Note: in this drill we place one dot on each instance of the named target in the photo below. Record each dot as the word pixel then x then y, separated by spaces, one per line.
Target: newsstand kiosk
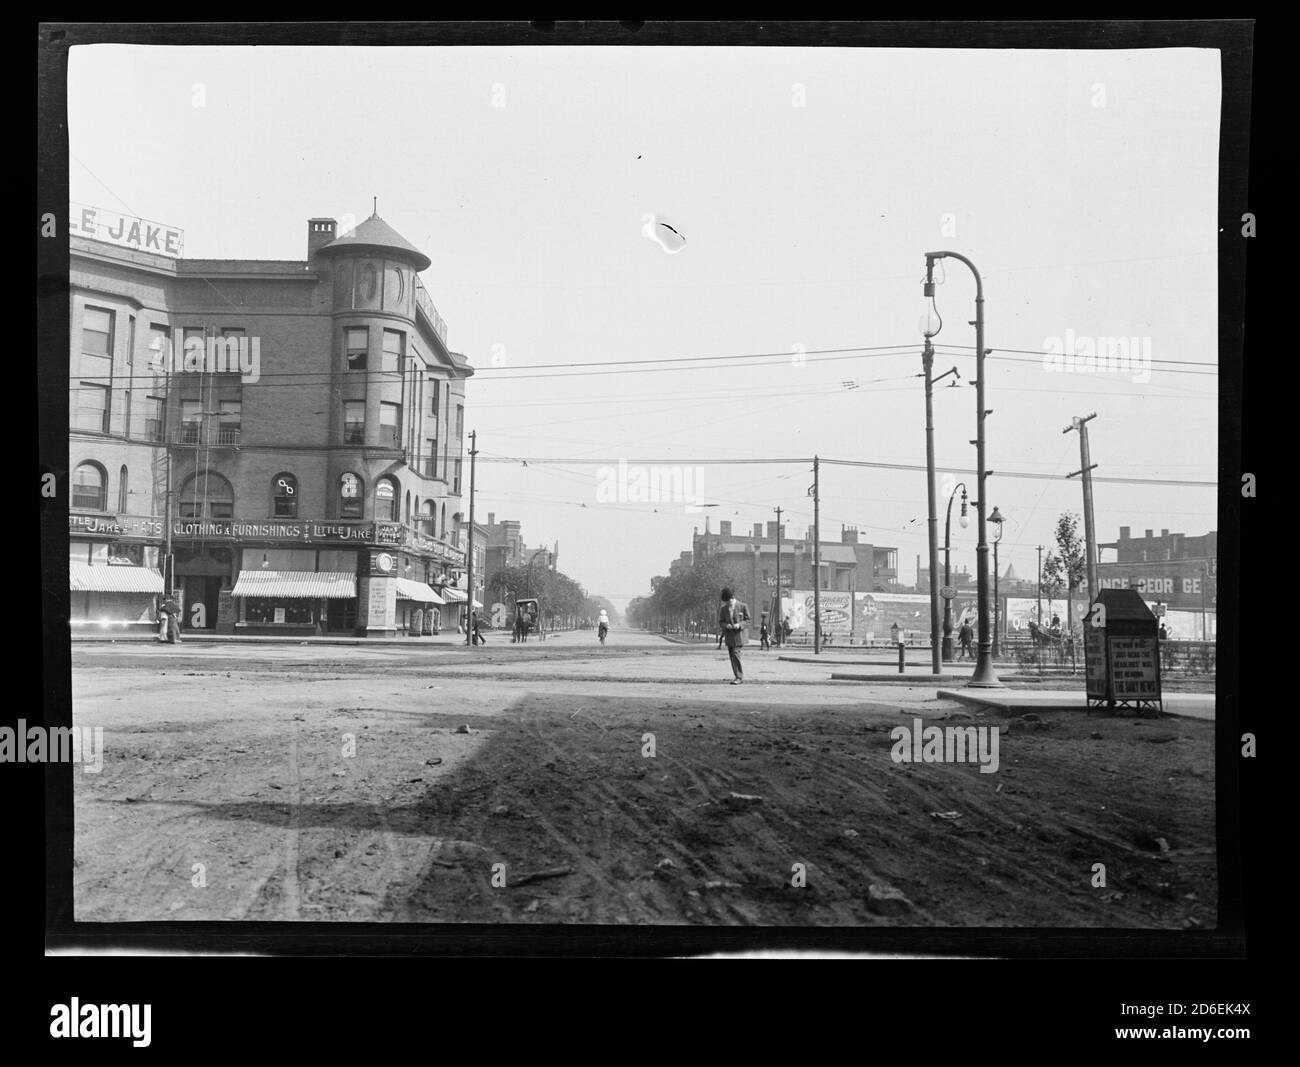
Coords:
pixel 1121 647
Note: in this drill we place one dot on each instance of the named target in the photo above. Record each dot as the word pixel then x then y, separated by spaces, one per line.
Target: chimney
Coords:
pixel 320 232
pixel 758 530
pixel 1124 532
pixel 849 535
pixel 492 518
pixel 771 529
pixel 724 528
pixel 1149 534
pixel 1164 533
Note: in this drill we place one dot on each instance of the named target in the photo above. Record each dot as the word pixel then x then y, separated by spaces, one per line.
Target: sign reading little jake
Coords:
pixel 101 224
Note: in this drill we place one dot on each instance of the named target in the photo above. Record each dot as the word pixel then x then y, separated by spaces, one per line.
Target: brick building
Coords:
pixel 296 425
pixel 848 565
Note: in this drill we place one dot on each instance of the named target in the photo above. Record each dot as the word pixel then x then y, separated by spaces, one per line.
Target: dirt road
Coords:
pixel 339 784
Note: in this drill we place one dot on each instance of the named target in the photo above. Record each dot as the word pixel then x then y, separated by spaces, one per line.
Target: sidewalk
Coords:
pixel 271 639
pixel 1019 701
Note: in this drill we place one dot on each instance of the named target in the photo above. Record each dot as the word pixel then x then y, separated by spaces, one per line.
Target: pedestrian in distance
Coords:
pixel 733 618
pixel 763 636
pixel 965 635
pixel 478 637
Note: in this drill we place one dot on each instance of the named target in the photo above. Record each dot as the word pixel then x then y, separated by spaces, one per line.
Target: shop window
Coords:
pixel 263 610
pixel 350 496
pixel 284 494
pixel 90 487
pixel 358 341
pixel 206 495
pixel 385 500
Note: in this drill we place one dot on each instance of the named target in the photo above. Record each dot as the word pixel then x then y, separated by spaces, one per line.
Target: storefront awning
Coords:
pixel 114 578
pixel 457 596
pixel 417 591
pixel 330 585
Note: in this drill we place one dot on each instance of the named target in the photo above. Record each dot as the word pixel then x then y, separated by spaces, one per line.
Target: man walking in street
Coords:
pixel 733 617
pixel 763 636
pixel 965 635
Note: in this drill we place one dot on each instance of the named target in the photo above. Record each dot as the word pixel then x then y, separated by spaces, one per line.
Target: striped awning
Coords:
pixel 417 591
pixel 114 578
pixel 457 596
pixel 330 585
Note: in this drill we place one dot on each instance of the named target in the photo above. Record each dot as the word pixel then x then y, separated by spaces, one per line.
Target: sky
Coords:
pixel 808 185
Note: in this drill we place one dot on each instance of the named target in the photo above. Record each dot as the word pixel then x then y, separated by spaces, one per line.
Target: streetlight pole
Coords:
pixel 984 676
pixel 997 602
pixel 780 632
pixel 817 560
pixel 929 327
pixel 947 568
pixel 469 555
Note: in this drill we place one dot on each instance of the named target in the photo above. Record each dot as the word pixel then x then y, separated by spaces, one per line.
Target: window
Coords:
pixel 431 457
pixel 406 513
pixel 89 487
pixel 350 496
pixel 455 484
pixel 284 497
pixel 385 500
pixel 191 421
pixel 444 522
pixel 92 407
pixel 122 490
pixel 358 341
pixel 261 610
pixel 460 421
pixel 130 376
pixel 428 520
pixel 160 345
pixel 390 424
pixel 433 405
pixel 206 495
pixel 153 418
pixel 394 346
pixel 354 422
pixel 228 422
pixel 96 331
pixel 193 348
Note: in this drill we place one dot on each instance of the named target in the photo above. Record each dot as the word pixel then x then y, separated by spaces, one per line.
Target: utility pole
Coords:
pixel 927 362
pixel 469 555
pixel 1040 586
pixel 780 632
pixel 169 561
pixel 1087 466
pixel 817 559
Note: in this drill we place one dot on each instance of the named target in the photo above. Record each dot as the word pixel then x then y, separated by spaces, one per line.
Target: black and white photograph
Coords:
pixel 668 486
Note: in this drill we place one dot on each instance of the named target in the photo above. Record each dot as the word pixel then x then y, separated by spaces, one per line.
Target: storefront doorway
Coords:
pixel 201 594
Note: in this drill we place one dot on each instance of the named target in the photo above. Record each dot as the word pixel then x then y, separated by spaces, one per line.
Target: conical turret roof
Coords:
pixel 375 235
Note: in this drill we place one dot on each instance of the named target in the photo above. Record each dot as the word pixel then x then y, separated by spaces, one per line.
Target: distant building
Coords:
pixel 848 565
pixel 1173 569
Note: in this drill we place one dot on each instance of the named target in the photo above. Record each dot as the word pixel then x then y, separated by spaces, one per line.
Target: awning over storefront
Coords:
pixel 114 578
pixel 417 591
pixel 457 596
pixel 330 585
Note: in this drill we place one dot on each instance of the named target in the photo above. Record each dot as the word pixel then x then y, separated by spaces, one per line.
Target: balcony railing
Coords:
pixel 425 303
pixel 227 435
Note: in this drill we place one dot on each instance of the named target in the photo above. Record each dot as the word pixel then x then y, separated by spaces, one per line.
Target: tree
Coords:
pixel 1067 565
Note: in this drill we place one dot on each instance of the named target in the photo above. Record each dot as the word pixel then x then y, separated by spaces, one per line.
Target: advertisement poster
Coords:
pixel 1133 668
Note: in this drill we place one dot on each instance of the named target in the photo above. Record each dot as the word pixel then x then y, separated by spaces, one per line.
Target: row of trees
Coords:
pixel 565 602
pixel 684 598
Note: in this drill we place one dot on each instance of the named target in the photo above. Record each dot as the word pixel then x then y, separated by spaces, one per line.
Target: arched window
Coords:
pixel 122 490
pixel 444 521
pixel 351 495
pixel 406 515
pixel 205 495
pixel 284 496
pixel 428 520
pixel 90 487
pixel 385 500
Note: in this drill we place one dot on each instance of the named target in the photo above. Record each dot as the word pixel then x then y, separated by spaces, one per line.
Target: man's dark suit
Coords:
pixel 731 621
